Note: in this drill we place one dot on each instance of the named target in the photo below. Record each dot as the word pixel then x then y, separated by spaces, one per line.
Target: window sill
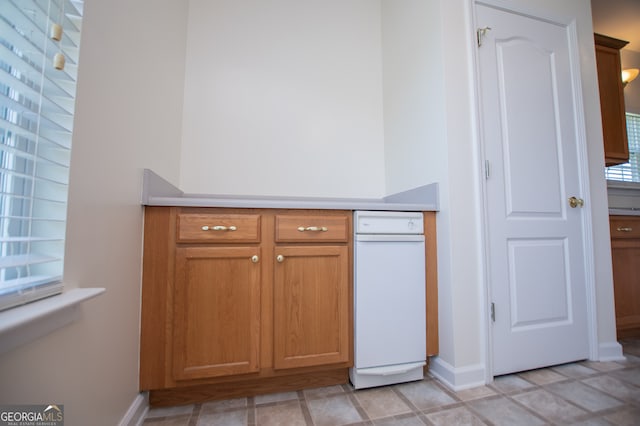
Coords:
pixel 26 323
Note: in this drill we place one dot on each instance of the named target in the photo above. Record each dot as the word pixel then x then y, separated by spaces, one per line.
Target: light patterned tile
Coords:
pixel 542 377
pixel 333 411
pixel 286 413
pixel 475 393
pixel 224 418
pixel 574 371
pixel 595 421
pixel 223 405
pixel 169 411
pixel 511 384
pixel 615 387
pixel 382 402
pixel 405 420
pixel 584 396
pixel 549 406
pixel 181 420
pixel 425 394
pixel 504 412
pixel 625 417
pixel 629 375
pixel 459 416
pixel 323 391
pixel 600 387
pixel 276 397
pixel 603 366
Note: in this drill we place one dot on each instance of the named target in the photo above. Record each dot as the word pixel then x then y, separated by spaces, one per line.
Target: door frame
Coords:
pixel 583 170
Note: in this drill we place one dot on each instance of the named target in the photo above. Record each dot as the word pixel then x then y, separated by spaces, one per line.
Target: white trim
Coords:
pixel 610 351
pixel 137 411
pixel 485 289
pixel 29 322
pixel 457 378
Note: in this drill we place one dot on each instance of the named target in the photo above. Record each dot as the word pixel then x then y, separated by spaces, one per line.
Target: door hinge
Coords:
pixel 480 33
pixel 487 169
pixel 493 312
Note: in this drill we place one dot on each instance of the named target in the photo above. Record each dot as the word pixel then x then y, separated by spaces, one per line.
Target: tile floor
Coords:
pixel 583 393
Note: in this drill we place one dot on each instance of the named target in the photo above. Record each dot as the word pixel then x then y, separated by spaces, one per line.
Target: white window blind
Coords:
pixel 629 172
pixel 37 97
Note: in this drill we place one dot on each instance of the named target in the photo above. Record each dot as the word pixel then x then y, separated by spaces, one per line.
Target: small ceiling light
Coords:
pixel 629 75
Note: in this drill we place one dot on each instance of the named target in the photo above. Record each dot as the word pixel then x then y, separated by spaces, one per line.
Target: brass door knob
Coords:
pixel 575 202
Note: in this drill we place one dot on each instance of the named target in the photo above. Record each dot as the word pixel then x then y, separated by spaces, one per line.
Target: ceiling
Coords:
pixel 619 19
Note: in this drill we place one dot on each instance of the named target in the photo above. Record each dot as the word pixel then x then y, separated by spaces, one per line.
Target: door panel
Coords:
pixel 538 295
pixel 536 249
pixel 526 72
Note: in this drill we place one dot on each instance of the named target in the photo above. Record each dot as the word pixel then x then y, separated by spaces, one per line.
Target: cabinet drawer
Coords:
pixel 303 228
pixel 625 226
pixel 224 228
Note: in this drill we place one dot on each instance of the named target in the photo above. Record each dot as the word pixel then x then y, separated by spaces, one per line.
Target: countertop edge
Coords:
pixel 286 204
pixel 159 192
pixel 624 212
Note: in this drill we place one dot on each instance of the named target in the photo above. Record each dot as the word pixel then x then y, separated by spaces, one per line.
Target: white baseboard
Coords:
pixel 610 351
pixel 137 411
pixel 457 379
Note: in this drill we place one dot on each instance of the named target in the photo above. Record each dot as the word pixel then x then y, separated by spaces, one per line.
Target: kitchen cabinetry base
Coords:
pixel 628 333
pixel 239 389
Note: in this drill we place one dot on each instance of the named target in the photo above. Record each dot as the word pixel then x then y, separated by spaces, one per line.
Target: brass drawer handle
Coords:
pixel 624 229
pixel 219 228
pixel 313 228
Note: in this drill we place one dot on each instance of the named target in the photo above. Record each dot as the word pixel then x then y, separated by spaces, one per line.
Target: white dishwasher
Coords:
pixel 389 298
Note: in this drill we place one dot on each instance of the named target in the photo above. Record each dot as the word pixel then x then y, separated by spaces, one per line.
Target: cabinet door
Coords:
pixel 614 125
pixel 312 306
pixel 625 255
pixel 216 324
pixel 626 283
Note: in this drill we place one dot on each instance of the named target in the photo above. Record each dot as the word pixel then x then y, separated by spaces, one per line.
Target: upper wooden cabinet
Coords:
pixel 614 127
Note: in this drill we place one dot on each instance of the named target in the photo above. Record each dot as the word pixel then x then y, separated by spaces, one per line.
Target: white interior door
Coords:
pixel 536 247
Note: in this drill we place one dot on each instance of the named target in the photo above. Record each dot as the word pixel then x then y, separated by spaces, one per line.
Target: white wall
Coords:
pixel 413 76
pixel 127 118
pixel 631 59
pixel 283 98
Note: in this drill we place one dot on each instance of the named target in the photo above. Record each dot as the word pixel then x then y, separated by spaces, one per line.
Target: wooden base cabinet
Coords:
pixel 625 254
pixel 244 301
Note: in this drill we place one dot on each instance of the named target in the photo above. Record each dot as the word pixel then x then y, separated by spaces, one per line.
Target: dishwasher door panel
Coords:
pixel 390 323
